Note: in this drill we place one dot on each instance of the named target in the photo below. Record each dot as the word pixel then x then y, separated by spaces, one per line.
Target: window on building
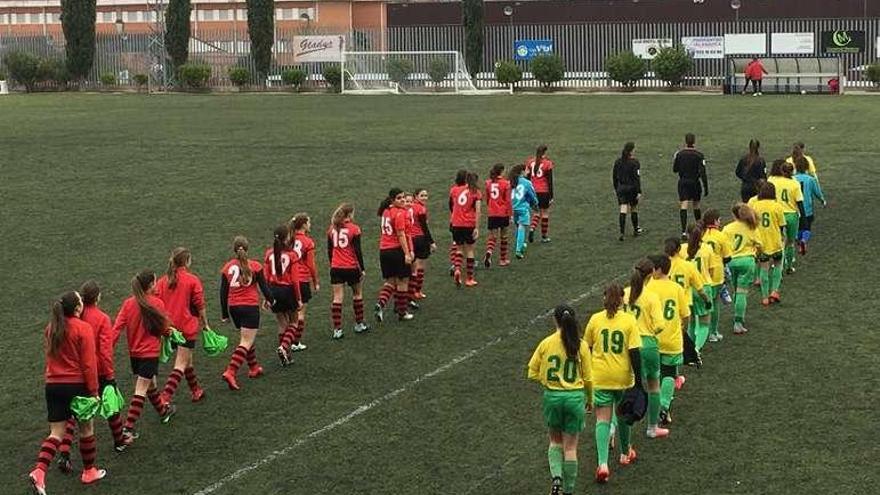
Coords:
pixel 224 15
pixel 4 18
pixel 108 17
pixel 242 14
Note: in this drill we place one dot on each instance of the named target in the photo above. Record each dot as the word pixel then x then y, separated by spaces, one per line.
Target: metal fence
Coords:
pixel 583 47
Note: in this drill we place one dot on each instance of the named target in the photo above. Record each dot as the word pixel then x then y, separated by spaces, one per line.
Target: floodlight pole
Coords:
pixel 156 48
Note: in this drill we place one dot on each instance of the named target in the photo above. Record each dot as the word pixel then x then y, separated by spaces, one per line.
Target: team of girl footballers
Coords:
pixel 80 337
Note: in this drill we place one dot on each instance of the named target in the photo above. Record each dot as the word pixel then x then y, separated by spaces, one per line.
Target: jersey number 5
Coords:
pixel 387 228
pixel 494 191
pixel 340 238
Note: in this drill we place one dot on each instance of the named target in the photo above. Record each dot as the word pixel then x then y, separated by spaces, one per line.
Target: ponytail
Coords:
pixel 495 172
pixel 539 154
pixel 514 174
pixel 643 269
pixel 695 238
pixel 613 299
pixel 340 215
pixel 298 221
pixel 279 242
pixel 671 246
pixel 568 327
pixel 240 247
pixel 472 179
pixel 180 257
pixel 90 292
pixel 387 202
pixel 153 319
pixel 746 215
pixel 62 308
pixel 754 154
pixel 710 217
pixel 627 150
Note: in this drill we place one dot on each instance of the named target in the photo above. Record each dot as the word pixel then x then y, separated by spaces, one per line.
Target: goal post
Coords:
pixel 397 72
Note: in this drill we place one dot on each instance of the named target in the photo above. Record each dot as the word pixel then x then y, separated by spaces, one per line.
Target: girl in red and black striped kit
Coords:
pixel 71 371
pixel 464 208
pixel 454 255
pixel 499 206
pixel 239 298
pixel 284 285
pixel 346 267
pixel 395 256
pixel 423 244
pixel 306 270
pixel 539 169
pixel 184 299
pixel 105 342
pixel 145 320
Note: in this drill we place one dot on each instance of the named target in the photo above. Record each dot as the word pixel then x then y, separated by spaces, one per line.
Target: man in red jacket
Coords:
pixel 755 73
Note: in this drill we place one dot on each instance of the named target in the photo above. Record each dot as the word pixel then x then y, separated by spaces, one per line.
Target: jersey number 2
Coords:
pixel 569 369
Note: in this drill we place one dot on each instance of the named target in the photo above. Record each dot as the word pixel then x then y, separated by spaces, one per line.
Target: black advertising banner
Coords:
pixel 843 41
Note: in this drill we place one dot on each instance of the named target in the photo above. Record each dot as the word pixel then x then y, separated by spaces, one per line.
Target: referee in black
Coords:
pixel 628 187
pixel 690 165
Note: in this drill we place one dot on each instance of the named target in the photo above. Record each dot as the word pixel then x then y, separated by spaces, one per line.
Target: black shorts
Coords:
pixel 305 292
pixel 145 367
pixel 627 196
pixel 689 190
pixel 245 316
pixel 348 276
pixel 498 223
pixel 463 235
pixel 764 258
pixel 393 263
pixel 421 247
pixel 285 298
pixel 58 397
pixel 189 344
pixel 544 200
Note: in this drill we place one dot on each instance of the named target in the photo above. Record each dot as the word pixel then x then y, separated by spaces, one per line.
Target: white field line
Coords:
pixel 363 408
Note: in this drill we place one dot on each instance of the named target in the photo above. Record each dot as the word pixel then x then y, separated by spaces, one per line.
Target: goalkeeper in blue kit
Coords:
pixel 523 199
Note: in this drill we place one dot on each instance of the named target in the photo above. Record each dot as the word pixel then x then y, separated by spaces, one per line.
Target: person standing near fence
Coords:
pixel 626 179
pixel 755 73
pixel 690 165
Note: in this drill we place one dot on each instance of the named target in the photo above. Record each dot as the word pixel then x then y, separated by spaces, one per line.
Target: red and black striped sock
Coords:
pixel 252 357
pixel 470 268
pixel 172 383
pixel 336 314
pixel 88 449
pixel 287 337
pixel 503 250
pixel 47 452
pixel 159 403
pixel 401 300
pixel 411 288
pixel 534 224
pixel 115 423
pixel 358 310
pixel 545 226
pixel 238 357
pixel 385 294
pixel 453 252
pixel 458 259
pixel 191 378
pixel 420 280
pixel 134 411
pixel 67 439
pixel 490 245
pixel 299 330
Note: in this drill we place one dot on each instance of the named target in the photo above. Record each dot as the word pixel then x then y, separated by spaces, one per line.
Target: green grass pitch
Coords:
pixel 101 186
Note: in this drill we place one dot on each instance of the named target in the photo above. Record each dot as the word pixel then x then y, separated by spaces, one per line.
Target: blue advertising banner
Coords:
pixel 529 49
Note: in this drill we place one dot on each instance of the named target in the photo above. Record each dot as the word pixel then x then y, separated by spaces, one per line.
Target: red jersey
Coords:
pixel 305 266
pixel 75 361
pixel 141 343
pixel 464 206
pixel 239 293
pixel 342 252
pixel 105 339
pixel 417 211
pixel 393 222
pixel 288 275
pixel 183 302
pixel 498 194
pixel 755 70
pixel 537 173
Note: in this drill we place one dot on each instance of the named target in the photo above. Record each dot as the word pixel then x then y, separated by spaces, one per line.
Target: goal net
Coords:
pixel 405 72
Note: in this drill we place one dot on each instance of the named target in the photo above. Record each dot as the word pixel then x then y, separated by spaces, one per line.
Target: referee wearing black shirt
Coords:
pixel 690 165
pixel 628 186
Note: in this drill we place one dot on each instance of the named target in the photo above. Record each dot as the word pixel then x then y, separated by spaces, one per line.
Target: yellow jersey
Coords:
pixel 720 245
pixel 646 311
pixel 674 308
pixel 811 165
pixel 551 366
pixel 609 340
pixel 771 220
pixel 743 240
pixel 686 275
pixel 705 261
pixel 788 192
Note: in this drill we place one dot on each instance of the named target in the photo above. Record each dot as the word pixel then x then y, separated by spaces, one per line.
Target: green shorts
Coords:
pixel 671 359
pixel 603 398
pixel 792 223
pixel 564 410
pixel 650 353
pixel 699 308
pixel 742 271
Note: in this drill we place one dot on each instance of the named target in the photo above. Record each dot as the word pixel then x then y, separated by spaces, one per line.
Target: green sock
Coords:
pixel 789 257
pixel 716 316
pixel 765 283
pixel 603 432
pixel 667 392
pixel 569 475
pixel 739 306
pixel 554 457
pixel 692 328
pixel 623 431
pixel 701 329
pixel 654 408
pixel 775 278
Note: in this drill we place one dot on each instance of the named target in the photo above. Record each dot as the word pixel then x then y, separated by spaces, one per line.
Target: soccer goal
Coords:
pixel 422 72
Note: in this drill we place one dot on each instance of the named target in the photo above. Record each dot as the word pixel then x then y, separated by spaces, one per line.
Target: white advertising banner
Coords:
pixel 647 48
pixel 745 44
pixel 318 48
pixel 704 46
pixel 795 43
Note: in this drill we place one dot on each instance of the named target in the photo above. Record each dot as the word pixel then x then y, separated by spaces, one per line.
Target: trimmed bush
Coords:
pixel 399 70
pixel 438 70
pixel 547 69
pixel 671 64
pixel 333 75
pixel 52 70
pixel 507 72
pixel 194 75
pixel 23 69
pixel 294 78
pixel 872 73
pixel 239 76
pixel 108 79
pixel 625 68
pixel 141 80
